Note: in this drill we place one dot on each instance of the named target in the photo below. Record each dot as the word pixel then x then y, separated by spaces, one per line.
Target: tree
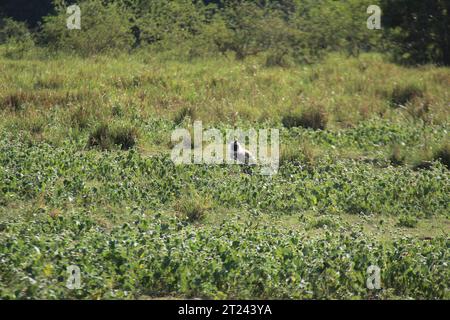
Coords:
pixel 104 27
pixel 418 30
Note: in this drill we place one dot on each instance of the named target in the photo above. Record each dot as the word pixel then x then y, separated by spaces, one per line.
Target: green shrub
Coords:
pixel 163 21
pixel 253 28
pixel 330 25
pixel 17 38
pixel 417 30
pixel 180 30
pixel 279 58
pixel 407 221
pixel 125 137
pixel 245 23
pixel 104 28
pixel 11 30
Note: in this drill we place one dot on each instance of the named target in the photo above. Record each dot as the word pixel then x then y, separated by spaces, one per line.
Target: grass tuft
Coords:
pixel 183 113
pixel 192 207
pixel 312 118
pixel 402 94
pixel 14 101
pixel 443 154
pixel 397 156
pixel 291 153
pixel 108 137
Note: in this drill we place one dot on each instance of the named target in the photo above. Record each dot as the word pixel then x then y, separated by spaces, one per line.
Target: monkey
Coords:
pixel 242 156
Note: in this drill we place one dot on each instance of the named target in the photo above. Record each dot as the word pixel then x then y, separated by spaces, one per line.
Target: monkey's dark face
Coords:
pixel 235 150
pixel 235 146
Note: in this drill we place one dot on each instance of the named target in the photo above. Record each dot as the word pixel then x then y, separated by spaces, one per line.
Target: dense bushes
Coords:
pixel 104 28
pixel 285 31
pixel 16 36
pixel 301 32
pixel 291 31
pixel 418 30
pixel 12 30
pixel 162 20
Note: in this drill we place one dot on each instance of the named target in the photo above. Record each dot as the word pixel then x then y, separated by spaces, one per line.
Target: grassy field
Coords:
pixel 86 179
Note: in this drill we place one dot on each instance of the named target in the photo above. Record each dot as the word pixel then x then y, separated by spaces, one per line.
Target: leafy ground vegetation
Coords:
pixel 86 177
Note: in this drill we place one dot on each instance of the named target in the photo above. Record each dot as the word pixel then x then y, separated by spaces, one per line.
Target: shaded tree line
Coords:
pixel 286 31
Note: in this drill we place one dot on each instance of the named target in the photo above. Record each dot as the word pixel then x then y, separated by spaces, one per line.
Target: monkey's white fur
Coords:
pixel 240 154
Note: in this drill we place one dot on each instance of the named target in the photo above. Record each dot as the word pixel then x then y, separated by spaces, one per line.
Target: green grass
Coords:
pixel 86 179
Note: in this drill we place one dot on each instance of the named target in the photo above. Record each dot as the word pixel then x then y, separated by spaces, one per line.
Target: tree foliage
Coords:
pixel 418 30
pixel 284 30
pixel 104 27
